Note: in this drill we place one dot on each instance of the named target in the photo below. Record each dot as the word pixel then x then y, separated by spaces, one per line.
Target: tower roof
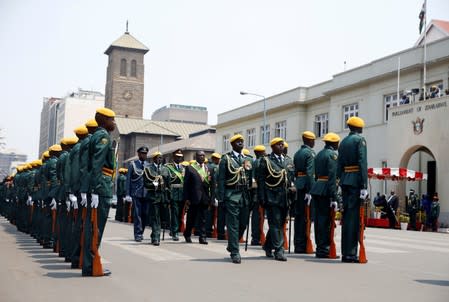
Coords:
pixel 127 41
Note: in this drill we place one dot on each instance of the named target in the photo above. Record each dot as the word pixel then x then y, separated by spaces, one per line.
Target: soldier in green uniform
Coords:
pixel 174 178
pixel 156 194
pixel 212 212
pixel 121 193
pixel 51 199
pixel 233 187
pixel 304 180
pixel 102 166
pixel 324 193
pixel 257 212
pixel 352 171
pixel 275 182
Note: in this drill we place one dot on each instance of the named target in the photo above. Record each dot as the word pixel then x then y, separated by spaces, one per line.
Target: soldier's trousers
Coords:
pixel 255 221
pixel 155 220
pixel 102 216
pixel 275 237
pixel 351 221
pixel 141 207
pixel 236 220
pixel 221 220
pixel 322 224
pixel 119 209
pixel 300 238
pixel 176 209
pixel 196 213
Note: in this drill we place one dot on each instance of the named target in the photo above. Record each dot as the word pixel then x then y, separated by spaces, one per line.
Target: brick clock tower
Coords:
pixel 125 76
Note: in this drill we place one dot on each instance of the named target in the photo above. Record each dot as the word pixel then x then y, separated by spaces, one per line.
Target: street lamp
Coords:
pixel 264 112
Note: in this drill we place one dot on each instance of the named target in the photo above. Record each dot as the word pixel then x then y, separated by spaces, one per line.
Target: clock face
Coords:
pixel 127 95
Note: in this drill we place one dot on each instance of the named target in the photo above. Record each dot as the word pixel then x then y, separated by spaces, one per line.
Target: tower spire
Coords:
pixel 126 32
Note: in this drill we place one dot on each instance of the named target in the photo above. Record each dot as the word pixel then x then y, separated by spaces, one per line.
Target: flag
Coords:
pixel 422 16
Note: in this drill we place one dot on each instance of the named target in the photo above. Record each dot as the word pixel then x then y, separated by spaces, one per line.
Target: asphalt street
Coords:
pixel 402 266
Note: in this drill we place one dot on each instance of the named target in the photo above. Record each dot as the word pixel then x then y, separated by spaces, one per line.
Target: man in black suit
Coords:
pixel 393 203
pixel 197 194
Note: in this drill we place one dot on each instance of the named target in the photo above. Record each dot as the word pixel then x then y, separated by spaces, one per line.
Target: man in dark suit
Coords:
pixel 135 192
pixel 393 203
pixel 197 184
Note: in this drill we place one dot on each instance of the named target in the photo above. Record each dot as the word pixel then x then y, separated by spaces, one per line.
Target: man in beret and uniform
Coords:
pixel 212 212
pixel 324 193
pixel 275 182
pixel 257 213
pixel 51 202
pixel 304 180
pixel 135 192
pixel 102 166
pixel 352 171
pixel 120 214
pixel 234 183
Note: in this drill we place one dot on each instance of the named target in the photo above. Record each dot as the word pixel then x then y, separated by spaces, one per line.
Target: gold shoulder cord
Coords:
pixel 277 175
pixel 153 178
pixel 237 174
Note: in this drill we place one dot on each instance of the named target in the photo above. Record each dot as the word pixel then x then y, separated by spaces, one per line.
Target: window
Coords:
pixel 321 124
pixel 123 67
pixel 280 129
pixel 251 137
pixel 265 135
pixel 133 68
pixel 349 111
pixel 225 146
pixel 390 101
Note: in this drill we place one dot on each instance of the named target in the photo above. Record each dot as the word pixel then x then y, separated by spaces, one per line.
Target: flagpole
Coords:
pixel 399 76
pixel 425 49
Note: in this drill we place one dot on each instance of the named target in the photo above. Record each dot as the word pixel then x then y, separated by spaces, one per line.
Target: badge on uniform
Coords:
pixel 104 141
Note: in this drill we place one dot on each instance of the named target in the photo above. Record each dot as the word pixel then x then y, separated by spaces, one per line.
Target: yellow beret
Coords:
pixel 55 148
pixel 122 170
pixel 308 134
pixel 34 163
pixel 157 153
pixel 236 137
pixel 29 166
pixel 19 168
pixel 71 140
pixel 355 121
pixel 46 154
pixel 81 130
pixel 276 140
pixel 216 155
pixel 259 148
pixel 285 144
pixel 38 162
pixel 91 123
pixel 185 163
pixel 106 112
pixel 245 151
pixel 331 137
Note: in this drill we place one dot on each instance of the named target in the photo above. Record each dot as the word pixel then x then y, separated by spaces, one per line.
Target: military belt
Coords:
pixel 323 178
pixel 107 171
pixel 176 186
pixel 300 173
pixel 351 169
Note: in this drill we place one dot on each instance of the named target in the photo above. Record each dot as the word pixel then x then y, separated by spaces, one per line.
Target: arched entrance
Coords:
pixel 419 158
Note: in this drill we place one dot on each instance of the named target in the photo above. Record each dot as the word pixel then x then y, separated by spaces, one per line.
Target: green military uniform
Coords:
pixel 121 193
pixel 233 187
pixel 173 174
pixel 53 186
pixel 101 163
pixel 352 171
pixel 62 221
pixel 275 177
pixel 255 212
pixel 304 180
pixel 212 211
pixel 324 191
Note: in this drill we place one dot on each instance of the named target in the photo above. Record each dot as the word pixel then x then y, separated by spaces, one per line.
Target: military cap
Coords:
pixel 81 130
pixel 106 112
pixel 38 162
pixel 71 140
pixel 216 155
pixel 331 137
pixel 236 137
pixel 46 154
pixel 276 140
pixel 308 134
pixel 245 151
pixel 185 163
pixel 91 123
pixel 34 163
pixel 123 170
pixel 55 148
pixel 29 166
pixel 19 168
pixel 355 121
pixel 142 149
pixel 178 152
pixel 157 153
pixel 285 144
pixel 259 148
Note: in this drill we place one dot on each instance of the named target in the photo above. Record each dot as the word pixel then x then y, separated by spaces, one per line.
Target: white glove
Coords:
pixel 215 202
pixel 31 203
pixel 308 198
pixel 95 201
pixel 7 199
pixel 75 204
pixel 83 199
pixel 53 204
pixel 334 205
pixel 72 198
pixel 29 199
pixel 67 203
pixel 128 198
pixel 363 193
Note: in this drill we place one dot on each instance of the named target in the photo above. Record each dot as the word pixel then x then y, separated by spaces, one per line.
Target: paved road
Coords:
pixel 403 266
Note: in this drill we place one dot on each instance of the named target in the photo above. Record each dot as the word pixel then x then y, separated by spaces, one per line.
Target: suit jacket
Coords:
pixel 197 189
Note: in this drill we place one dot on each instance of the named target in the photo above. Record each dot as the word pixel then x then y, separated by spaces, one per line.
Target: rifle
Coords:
pixel 309 246
pixel 261 223
pixel 362 255
pixel 215 218
pixel 97 268
pixel 251 205
pixel 332 249
pixel 83 218
pixel 130 206
pixel 292 196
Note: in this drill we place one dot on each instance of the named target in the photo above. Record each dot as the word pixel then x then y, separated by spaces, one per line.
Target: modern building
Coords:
pixel 60 116
pixel 181 114
pixel 412 133
pixel 8 160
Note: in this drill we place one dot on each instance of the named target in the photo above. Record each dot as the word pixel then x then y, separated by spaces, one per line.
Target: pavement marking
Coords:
pixel 406 245
pixel 428 241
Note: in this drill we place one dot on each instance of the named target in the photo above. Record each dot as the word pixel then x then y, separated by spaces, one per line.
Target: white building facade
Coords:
pixel 412 135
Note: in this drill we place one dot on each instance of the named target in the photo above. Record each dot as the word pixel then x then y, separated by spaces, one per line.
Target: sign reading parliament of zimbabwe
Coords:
pixel 420 108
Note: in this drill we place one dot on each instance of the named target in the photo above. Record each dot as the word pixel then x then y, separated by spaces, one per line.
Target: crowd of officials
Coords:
pixel 63 199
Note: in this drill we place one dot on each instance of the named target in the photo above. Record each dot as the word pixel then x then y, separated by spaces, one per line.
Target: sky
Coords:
pixel 202 52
